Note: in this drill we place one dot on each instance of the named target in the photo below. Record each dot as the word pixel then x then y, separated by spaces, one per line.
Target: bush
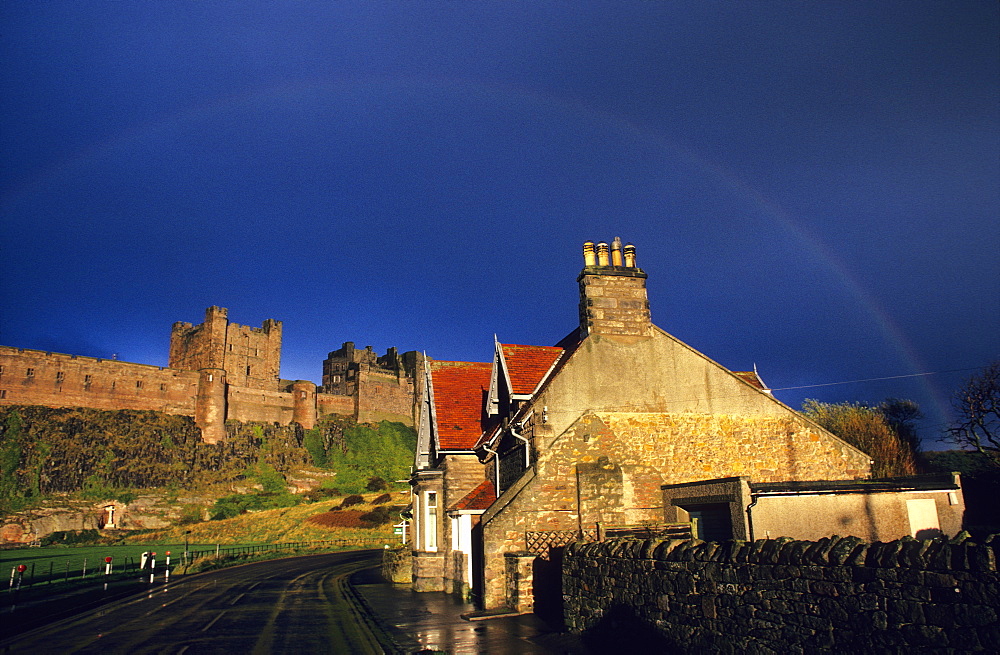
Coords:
pixel 352 500
pixel 233 505
pixel 384 498
pixel 190 514
pixel 378 516
pixel 375 483
pixel 71 538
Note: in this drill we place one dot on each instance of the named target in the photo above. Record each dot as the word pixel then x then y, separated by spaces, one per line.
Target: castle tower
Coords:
pixel 210 408
pixel 304 403
pixel 612 291
pixel 250 357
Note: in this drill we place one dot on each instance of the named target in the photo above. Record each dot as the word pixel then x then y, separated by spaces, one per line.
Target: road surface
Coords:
pixel 299 604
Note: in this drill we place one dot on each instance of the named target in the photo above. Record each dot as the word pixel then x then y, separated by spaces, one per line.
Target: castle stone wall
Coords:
pixel 384 396
pixel 836 595
pixel 34 377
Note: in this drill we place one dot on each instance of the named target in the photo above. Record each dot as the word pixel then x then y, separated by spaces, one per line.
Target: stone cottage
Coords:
pixel 583 435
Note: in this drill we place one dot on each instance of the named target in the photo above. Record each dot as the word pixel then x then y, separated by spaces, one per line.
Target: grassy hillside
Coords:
pixel 318 521
pixel 102 455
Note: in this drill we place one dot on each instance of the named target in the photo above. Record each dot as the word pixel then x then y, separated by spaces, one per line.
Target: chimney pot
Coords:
pixel 602 254
pixel 589 258
pixel 630 255
pixel 616 252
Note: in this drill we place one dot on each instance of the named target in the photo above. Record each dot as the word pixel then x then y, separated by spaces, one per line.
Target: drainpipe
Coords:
pixel 527 449
pixel 496 467
pixel 750 516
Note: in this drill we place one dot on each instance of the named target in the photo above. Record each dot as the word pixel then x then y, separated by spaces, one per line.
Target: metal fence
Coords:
pixel 50 573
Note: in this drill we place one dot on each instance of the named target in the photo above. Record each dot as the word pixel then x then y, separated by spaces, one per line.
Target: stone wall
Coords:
pixel 384 396
pixel 837 594
pixel 34 377
pixel 608 468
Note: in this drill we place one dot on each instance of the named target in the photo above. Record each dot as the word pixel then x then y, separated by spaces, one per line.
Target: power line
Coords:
pixel 890 377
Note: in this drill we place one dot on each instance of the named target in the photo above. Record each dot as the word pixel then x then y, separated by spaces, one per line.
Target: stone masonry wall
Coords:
pixel 610 467
pixel 384 396
pixel 33 377
pixel 836 594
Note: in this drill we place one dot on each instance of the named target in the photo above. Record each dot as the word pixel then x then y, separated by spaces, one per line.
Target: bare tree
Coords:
pixel 978 407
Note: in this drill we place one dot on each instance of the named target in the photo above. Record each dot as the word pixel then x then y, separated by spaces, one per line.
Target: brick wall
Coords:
pixel 841 595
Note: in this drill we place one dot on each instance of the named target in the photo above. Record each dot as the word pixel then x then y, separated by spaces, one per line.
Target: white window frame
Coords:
pixel 430 521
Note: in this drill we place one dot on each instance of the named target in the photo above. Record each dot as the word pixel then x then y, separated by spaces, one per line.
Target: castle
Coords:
pixel 218 371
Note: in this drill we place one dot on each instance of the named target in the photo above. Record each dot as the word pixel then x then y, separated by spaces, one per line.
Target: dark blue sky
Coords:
pixel 813 188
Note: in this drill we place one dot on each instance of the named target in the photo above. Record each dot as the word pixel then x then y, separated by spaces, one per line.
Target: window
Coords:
pixel 248 370
pixel 87 380
pixel 3 393
pixel 60 376
pixel 138 384
pixel 30 373
pixel 163 387
pixel 1 369
pixel 430 509
pixel 230 347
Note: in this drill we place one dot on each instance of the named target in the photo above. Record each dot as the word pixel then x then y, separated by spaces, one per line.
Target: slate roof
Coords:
pixel 459 388
pixel 527 365
pixel 479 498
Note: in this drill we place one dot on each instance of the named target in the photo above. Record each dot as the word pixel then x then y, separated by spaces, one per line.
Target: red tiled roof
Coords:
pixel 752 378
pixel 458 402
pixel 479 498
pixel 527 365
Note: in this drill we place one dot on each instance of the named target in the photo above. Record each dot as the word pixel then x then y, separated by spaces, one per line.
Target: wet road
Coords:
pixel 299 604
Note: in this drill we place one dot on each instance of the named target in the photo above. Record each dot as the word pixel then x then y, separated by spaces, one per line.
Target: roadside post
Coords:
pixel 152 567
pixel 166 575
pixel 21 568
pixel 107 570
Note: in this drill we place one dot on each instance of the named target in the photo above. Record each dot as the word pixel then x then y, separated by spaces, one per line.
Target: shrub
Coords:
pixel 334 519
pixel 351 501
pixel 71 538
pixel 384 498
pixel 378 516
pixel 375 483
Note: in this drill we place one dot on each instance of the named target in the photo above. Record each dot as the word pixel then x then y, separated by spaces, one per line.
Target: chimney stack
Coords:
pixel 612 291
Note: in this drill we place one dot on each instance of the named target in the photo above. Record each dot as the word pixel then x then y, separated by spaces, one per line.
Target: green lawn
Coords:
pixel 69 561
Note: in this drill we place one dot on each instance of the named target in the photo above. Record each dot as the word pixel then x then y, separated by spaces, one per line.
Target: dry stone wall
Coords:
pixel 836 594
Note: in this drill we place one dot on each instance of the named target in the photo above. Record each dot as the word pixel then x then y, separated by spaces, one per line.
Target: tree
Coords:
pixel 867 429
pixel 977 405
pixel 902 415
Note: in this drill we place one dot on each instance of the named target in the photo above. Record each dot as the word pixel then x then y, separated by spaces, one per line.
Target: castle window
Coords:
pixel 3 393
pixel 87 379
pixel 230 347
pixel 60 376
pixel 114 383
pixel 248 370
pixel 163 387
pixel 138 384
pixel 1 370
pixel 256 352
pixel 30 373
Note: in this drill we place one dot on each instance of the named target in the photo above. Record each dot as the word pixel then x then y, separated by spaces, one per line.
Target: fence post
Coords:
pixel 84 568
